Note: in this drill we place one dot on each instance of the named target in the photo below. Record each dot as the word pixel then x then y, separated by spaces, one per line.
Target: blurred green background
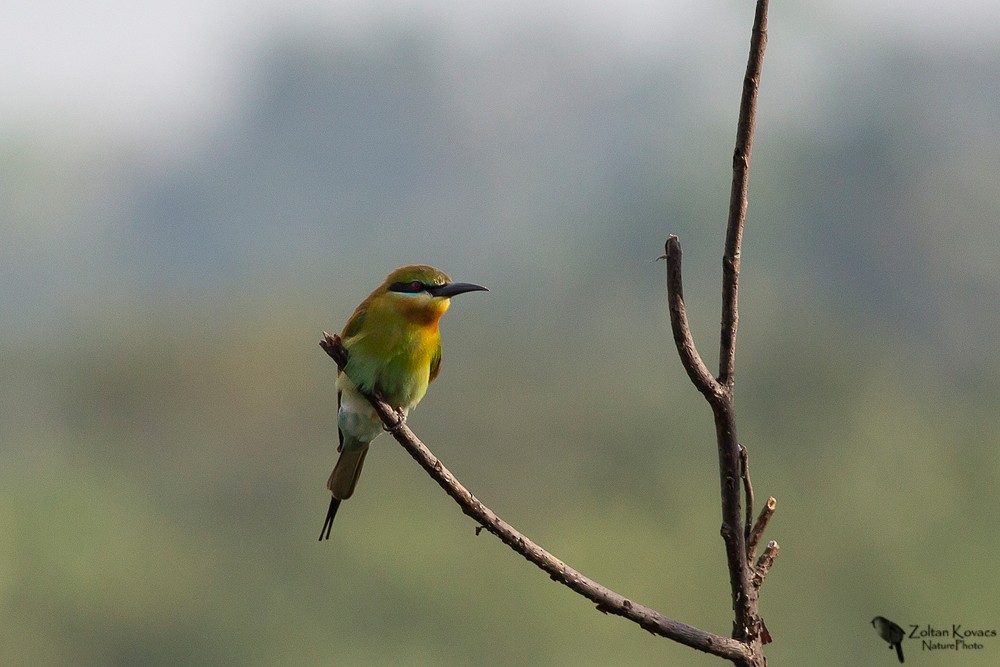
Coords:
pixel 190 193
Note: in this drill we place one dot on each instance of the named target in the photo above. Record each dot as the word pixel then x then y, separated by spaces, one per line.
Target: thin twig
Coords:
pixel 738 200
pixel 747 491
pixel 764 563
pixel 606 600
pixel 690 359
pixel 758 529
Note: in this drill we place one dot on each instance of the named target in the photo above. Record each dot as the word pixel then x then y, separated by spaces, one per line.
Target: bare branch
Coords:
pixel 758 530
pixel 738 195
pixel 719 392
pixel 764 563
pixel 744 600
pixel 747 490
pixel 607 601
pixel 690 359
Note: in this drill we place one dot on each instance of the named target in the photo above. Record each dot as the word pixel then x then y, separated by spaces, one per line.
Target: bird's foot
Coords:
pixel 400 421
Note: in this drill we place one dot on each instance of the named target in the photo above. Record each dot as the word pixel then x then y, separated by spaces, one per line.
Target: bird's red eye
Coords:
pixel 412 287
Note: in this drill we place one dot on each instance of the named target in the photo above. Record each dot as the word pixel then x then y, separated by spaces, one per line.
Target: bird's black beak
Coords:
pixel 453 289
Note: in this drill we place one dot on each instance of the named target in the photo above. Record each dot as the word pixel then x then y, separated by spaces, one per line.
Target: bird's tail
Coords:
pixel 345 474
pixel 899 651
pixel 342 482
pixel 324 533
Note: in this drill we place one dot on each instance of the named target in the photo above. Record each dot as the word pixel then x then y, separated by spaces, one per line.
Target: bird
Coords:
pixel 394 351
pixel 890 632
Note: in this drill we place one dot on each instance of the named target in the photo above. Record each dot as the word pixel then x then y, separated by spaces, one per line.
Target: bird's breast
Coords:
pixel 396 363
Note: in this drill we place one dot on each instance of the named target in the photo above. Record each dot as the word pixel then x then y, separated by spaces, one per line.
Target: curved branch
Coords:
pixel 690 359
pixel 607 600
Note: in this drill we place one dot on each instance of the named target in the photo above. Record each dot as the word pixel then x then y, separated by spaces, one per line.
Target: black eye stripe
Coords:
pixel 411 287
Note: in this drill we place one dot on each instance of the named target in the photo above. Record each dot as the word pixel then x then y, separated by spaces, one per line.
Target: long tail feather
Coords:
pixel 342 483
pixel 324 533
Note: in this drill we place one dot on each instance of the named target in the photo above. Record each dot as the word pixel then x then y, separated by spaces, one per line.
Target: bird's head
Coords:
pixel 421 292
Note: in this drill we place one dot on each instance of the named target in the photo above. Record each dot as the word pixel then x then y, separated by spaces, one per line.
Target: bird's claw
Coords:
pixel 400 421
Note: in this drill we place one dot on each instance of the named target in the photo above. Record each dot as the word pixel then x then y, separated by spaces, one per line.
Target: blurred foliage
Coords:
pixel 167 418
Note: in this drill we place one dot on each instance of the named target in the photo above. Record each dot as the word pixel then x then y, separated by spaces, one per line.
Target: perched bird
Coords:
pixel 394 350
pixel 890 632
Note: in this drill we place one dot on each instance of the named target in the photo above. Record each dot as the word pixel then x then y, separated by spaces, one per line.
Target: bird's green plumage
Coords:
pixel 394 349
pixel 393 340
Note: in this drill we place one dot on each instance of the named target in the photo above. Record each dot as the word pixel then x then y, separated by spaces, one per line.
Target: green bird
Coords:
pixel 394 348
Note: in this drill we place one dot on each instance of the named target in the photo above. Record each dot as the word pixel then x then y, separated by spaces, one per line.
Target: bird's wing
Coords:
pixel 352 330
pixel 357 321
pixel 340 434
pixel 435 363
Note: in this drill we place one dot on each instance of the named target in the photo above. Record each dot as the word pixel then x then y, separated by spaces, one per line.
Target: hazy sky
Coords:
pixel 122 67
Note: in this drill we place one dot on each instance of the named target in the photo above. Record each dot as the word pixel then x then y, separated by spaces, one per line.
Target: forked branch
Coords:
pixel 737 532
pixel 745 646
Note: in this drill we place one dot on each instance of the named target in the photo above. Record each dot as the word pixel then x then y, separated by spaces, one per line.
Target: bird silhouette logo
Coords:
pixel 891 633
